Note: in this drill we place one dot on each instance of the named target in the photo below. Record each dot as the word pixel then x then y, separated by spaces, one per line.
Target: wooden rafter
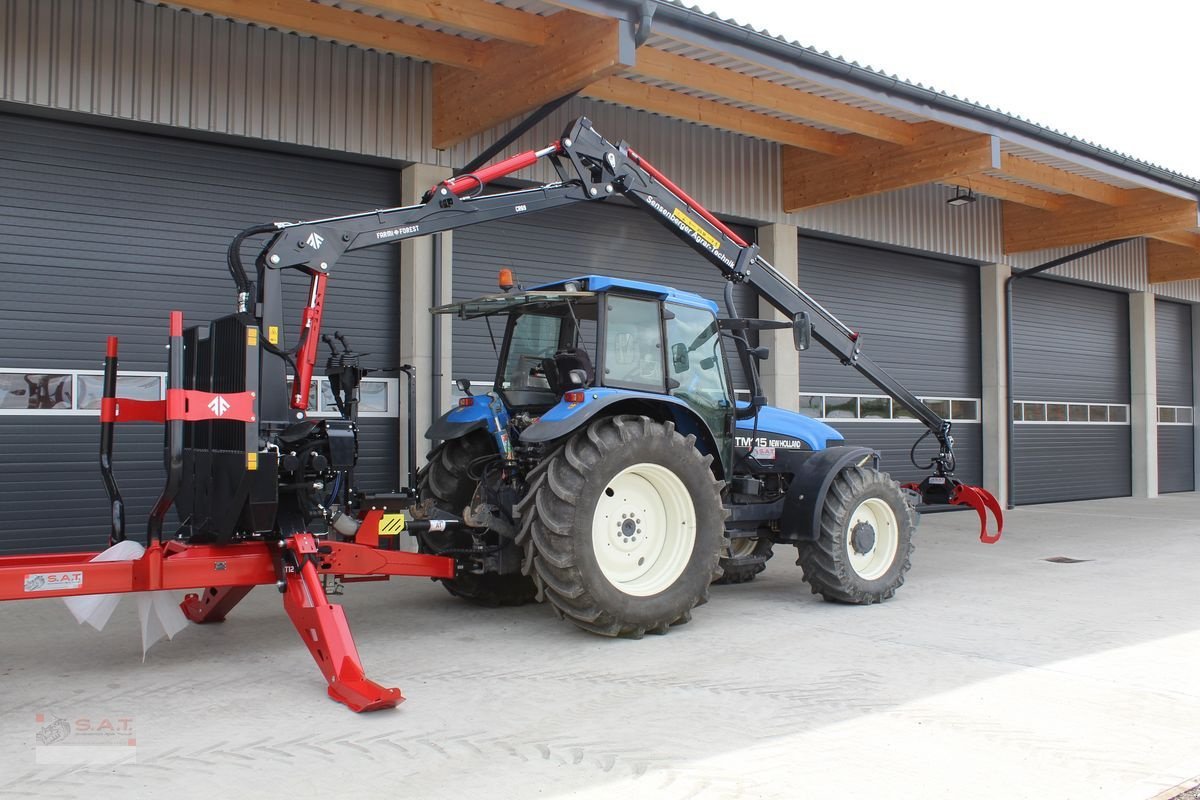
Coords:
pixel 718 115
pixel 1001 189
pixel 472 16
pixel 349 27
pixel 514 79
pixel 939 154
pixel 1171 262
pixel 735 86
pixel 1181 238
pixel 1083 222
pixel 1063 181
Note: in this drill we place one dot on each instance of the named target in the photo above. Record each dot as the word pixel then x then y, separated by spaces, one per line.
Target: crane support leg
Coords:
pixel 326 633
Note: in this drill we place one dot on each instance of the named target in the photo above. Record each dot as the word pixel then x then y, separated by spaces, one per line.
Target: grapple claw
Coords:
pixel 945 490
pixel 982 501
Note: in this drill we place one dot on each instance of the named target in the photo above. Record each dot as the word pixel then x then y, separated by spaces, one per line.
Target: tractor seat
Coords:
pixel 559 368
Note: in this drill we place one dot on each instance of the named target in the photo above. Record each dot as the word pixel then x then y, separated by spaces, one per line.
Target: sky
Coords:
pixel 1123 75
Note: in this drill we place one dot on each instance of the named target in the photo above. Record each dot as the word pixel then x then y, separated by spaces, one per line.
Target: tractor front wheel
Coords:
pixel 862 550
pixel 623 527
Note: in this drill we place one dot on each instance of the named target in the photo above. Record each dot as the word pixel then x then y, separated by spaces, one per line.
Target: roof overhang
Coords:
pixel 844 131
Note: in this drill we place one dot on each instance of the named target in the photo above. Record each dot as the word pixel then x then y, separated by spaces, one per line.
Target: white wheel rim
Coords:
pixel 872 549
pixel 644 529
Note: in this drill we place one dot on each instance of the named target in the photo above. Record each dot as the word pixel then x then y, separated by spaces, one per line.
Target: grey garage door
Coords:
pixel 588 238
pixel 1071 435
pixel 919 319
pixel 106 231
pixel 1176 450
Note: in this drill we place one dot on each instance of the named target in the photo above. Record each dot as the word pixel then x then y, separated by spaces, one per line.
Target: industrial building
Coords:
pixel 139 137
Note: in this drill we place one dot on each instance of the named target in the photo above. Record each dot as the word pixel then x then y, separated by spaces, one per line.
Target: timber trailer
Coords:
pixel 610 472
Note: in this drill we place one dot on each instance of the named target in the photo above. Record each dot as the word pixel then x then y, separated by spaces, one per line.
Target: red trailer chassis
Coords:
pixel 296 565
pixel 229 572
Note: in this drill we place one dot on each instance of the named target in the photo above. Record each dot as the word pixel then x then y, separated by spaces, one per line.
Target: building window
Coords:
pixel 881 408
pixel 1068 413
pixel 1175 415
pixel 27 392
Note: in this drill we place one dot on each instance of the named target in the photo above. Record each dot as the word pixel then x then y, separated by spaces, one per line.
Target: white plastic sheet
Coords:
pixel 159 612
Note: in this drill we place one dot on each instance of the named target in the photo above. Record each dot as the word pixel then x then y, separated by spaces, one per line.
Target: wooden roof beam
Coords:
pixel 1171 262
pixel 1063 181
pixel 718 115
pixel 737 87
pixel 1001 189
pixel 939 154
pixel 1083 222
pixel 472 16
pixel 512 79
pixel 348 27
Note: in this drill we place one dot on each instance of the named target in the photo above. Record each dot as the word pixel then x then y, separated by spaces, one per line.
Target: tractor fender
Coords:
pixel 461 420
pixel 801 518
pixel 565 418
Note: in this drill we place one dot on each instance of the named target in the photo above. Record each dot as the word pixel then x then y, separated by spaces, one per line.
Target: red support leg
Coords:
pixel 214 605
pixel 325 632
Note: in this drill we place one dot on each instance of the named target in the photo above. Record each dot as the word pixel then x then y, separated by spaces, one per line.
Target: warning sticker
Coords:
pixel 53 581
pixel 391 524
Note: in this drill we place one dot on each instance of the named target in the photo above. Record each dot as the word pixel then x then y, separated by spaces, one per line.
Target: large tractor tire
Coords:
pixel 445 480
pixel 623 527
pixel 862 550
pixel 744 559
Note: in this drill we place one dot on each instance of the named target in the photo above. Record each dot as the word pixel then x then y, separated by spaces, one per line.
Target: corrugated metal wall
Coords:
pixel 138 62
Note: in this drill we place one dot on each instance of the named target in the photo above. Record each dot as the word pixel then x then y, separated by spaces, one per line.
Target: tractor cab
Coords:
pixel 602 333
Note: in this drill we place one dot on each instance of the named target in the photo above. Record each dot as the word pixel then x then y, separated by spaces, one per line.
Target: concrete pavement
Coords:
pixel 993 674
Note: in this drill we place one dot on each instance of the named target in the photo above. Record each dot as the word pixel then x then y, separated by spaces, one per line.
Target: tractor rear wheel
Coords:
pixel 744 559
pixel 446 480
pixel 862 550
pixel 623 527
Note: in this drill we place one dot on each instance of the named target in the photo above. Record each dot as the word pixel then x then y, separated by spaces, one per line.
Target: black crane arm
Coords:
pixel 590 168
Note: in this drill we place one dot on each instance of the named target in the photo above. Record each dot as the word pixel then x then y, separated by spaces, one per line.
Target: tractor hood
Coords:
pixel 784 430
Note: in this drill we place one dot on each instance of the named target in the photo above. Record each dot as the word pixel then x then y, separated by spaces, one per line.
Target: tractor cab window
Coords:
pixel 532 339
pixel 633 356
pixel 695 363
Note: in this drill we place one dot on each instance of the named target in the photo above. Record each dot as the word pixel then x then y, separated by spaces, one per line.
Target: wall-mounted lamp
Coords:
pixel 961 198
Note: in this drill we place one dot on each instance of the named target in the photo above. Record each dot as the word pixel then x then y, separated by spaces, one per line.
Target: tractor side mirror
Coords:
pixel 680 362
pixel 802 331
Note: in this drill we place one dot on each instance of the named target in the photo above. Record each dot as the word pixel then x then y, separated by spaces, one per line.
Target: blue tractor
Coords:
pixel 611 472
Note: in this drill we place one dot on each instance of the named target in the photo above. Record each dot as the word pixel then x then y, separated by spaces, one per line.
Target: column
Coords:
pixel 417 325
pixel 779 244
pixel 1196 386
pixel 1143 388
pixel 994 368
